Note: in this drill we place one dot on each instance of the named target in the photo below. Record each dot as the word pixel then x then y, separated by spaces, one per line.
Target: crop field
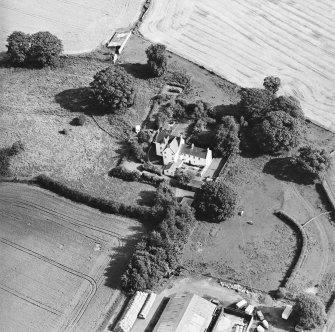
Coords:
pixel 246 40
pixel 55 257
pixel 81 24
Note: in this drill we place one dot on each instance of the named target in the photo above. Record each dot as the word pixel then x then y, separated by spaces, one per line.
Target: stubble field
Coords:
pixel 60 261
pixel 244 41
pixel 81 24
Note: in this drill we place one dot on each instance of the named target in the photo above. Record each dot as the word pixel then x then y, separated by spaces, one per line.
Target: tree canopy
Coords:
pixel 215 201
pixel 289 105
pixel 310 310
pixel 18 47
pixel 255 103
pixel 45 49
pixel 226 137
pixel 311 161
pixel 278 132
pixel 157 59
pixel 184 177
pixel 113 89
pixel 272 84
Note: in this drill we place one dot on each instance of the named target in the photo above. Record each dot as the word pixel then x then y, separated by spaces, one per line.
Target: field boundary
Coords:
pixel 302 246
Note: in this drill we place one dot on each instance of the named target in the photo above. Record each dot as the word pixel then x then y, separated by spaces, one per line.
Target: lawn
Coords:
pixel 36 105
pixel 260 255
pixel 61 261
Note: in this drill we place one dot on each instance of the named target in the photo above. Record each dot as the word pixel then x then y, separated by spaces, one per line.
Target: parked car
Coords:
pixel 298 328
pixel 265 324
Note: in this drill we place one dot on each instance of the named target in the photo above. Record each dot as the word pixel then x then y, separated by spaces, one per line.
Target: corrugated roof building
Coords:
pixel 186 313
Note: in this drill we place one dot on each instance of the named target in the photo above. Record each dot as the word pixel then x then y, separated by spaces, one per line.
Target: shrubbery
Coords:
pixel 179 78
pixel 121 173
pixel 311 161
pixel 184 177
pixel 152 168
pixel 143 213
pixel 113 89
pixel 310 310
pixel 215 201
pixel 272 84
pixel 137 150
pixel 40 49
pixel 6 154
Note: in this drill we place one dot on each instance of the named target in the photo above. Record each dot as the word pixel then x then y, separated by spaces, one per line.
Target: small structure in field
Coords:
pixel 118 42
pixel 186 313
pixel 176 152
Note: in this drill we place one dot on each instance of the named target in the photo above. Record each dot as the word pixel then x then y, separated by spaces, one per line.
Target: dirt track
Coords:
pixel 81 24
pixel 54 255
pixel 244 41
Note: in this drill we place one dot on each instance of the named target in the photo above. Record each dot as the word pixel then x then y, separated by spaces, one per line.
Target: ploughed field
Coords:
pixel 81 24
pixel 246 40
pixel 54 258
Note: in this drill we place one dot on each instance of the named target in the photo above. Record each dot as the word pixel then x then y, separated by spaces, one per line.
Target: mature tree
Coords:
pixel 256 103
pixel 18 47
pixel 289 105
pixel 138 151
pixel 143 136
pixel 226 138
pixel 113 88
pixel 215 201
pixel 45 49
pixel 278 132
pixel 272 83
pixel 157 59
pixel 179 111
pixel 184 177
pixel 310 310
pixel 198 126
pixel 311 161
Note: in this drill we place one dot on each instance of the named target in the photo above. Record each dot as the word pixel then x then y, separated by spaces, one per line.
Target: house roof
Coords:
pixel 174 144
pixel 193 151
pixel 186 313
pixel 163 134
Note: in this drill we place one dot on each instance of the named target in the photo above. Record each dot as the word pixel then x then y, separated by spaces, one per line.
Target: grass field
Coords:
pixel 37 104
pixel 82 25
pixel 60 261
pixel 244 41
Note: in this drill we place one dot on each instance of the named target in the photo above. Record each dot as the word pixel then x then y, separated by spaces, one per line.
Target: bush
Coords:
pixel 137 151
pixel 272 84
pixel 280 293
pixel 226 137
pixel 311 161
pixel 143 137
pixel 157 59
pixel 184 177
pixel 215 201
pixel 113 89
pixel 18 47
pixel 289 105
pixel 16 148
pixel 5 155
pixel 152 168
pixel 180 78
pixel 278 132
pixel 310 310
pixel 45 49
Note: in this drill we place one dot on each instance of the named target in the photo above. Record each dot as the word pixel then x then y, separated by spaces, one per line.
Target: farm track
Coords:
pixel 244 41
pixel 324 243
pixel 90 280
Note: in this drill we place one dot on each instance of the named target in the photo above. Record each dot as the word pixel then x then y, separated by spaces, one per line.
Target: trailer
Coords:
pixel 287 312
pixel 241 304
pixel 250 309
pixel 147 305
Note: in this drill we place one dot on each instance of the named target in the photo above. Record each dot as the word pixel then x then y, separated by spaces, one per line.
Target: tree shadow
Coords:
pixel 78 100
pixel 228 110
pixel 138 70
pixel 119 261
pixel 146 198
pixel 283 169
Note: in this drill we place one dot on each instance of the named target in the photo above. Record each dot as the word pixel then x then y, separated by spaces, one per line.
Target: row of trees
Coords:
pixel 39 49
pixel 158 254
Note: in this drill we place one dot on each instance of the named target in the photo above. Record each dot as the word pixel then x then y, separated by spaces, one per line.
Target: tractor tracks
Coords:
pixel 93 285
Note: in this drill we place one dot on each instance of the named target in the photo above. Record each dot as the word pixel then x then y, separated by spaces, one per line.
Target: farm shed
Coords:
pixel 147 306
pixel 186 313
pixel 130 314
